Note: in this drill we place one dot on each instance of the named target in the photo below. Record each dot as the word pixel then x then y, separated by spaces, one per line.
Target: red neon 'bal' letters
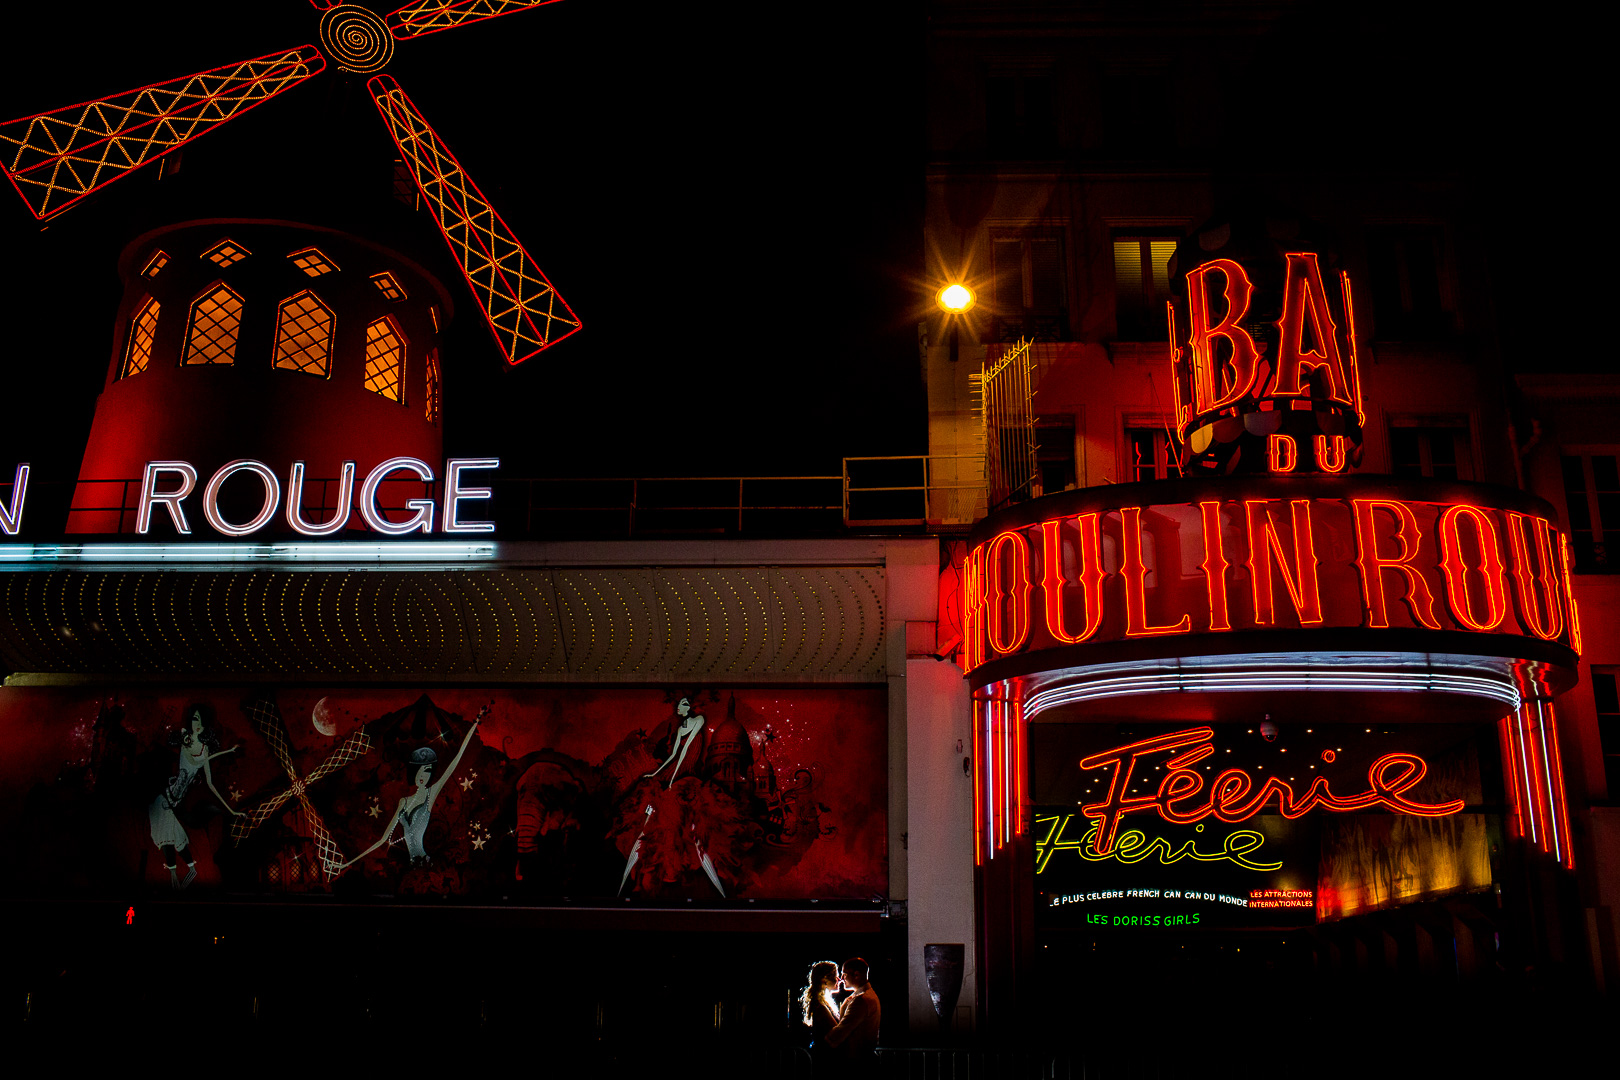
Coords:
pixel 1215 384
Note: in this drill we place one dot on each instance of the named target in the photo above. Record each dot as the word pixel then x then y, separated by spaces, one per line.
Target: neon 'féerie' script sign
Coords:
pixel 166 485
pixel 1184 797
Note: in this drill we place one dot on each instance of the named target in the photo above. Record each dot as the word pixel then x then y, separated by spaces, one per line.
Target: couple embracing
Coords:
pixel 843 1032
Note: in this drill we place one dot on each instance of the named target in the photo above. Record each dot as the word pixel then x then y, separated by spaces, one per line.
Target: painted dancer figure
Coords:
pixel 414 811
pixel 675 804
pixel 198 743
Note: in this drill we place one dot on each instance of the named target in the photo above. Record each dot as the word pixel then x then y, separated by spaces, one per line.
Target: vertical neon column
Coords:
pixel 1533 770
pixel 999 814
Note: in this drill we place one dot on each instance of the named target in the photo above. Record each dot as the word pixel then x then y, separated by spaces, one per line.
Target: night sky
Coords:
pixel 731 206
pixel 731 202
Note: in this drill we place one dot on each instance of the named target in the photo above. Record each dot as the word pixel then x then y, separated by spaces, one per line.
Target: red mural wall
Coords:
pixel 519 796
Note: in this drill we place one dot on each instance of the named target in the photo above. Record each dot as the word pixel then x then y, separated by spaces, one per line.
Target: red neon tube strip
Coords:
pixel 1561 807
pixel 1021 768
pixel 1560 836
pixel 1006 774
pixel 1532 782
pixel 1011 771
pixel 989 785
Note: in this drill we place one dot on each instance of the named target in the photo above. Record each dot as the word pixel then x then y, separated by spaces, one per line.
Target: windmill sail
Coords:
pixel 524 312
pixel 55 159
pixel 430 16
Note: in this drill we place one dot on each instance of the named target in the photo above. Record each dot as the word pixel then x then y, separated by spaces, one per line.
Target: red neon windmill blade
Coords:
pixel 523 311
pixel 56 158
pixel 431 16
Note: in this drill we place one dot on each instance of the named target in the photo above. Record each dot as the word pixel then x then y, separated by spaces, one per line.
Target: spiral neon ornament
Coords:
pixel 357 39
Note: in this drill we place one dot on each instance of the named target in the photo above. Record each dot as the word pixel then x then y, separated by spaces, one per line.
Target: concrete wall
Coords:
pixel 930 794
pixel 939 844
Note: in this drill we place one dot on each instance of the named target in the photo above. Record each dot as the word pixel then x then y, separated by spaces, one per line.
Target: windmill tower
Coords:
pixel 270 339
pixel 267 340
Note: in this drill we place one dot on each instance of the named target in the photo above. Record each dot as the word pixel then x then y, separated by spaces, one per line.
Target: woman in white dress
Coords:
pixel 198 742
pixel 414 810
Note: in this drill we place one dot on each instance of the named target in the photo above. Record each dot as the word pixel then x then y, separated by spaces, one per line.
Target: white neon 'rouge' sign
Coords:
pixel 167 484
pixel 11 513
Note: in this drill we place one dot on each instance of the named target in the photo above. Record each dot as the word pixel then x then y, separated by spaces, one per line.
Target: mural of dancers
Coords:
pixel 680 807
pixel 661 795
pixel 414 811
pixel 198 743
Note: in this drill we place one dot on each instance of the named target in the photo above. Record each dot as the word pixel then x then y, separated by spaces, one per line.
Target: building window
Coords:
pixel 1029 287
pixel 1441 451
pixel 1592 494
pixel 304 335
pixel 313 262
pixel 1409 297
pixel 1152 455
pixel 216 319
pixel 1607 694
pixel 385 359
pixel 1018 115
pixel 388 286
pixel 157 262
pixel 226 253
pixel 430 397
pixel 1136 109
pixel 1142 286
pixel 1054 453
pixel 142 332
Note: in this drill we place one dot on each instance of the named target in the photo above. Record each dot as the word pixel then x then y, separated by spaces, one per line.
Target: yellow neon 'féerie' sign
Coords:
pixel 1134 846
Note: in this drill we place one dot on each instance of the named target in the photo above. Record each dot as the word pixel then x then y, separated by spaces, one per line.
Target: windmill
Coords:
pixel 57 158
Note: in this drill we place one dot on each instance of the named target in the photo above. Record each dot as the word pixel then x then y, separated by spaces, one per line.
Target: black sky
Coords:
pixel 731 204
pixel 731 200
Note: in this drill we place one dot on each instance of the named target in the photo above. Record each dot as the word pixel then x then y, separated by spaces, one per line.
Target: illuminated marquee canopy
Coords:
pixel 1257 564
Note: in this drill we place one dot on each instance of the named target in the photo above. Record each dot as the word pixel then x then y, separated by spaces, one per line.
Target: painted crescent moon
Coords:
pixel 321 717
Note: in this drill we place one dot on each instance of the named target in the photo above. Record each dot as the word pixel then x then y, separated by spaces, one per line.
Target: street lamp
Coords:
pixel 955 299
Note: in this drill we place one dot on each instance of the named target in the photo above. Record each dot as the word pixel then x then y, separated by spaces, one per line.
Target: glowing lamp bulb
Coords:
pixel 956 298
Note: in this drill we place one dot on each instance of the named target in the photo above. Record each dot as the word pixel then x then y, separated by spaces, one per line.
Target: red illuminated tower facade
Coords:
pixel 267 340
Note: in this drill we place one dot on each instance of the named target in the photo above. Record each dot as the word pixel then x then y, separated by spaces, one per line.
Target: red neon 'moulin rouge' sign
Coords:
pixel 1185 797
pixel 1266 554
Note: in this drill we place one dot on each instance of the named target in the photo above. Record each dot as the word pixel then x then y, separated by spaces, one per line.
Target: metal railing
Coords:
pixel 948 492
pixel 922 491
pixel 643 505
